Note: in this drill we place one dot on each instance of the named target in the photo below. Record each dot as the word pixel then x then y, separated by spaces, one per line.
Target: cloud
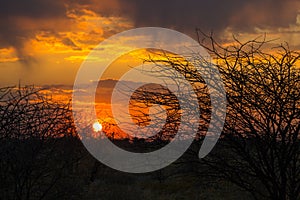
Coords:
pixel 70 43
pixel 22 20
pixel 19 20
pixel 69 23
pixel 32 8
pixel 236 16
pixel 216 15
pixel 7 55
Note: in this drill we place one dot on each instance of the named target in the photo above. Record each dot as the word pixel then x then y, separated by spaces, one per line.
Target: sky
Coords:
pixel 45 41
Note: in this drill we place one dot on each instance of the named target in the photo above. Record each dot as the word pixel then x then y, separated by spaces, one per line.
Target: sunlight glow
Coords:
pixel 97 127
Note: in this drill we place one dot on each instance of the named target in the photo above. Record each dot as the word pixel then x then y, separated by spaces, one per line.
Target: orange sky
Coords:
pixel 46 43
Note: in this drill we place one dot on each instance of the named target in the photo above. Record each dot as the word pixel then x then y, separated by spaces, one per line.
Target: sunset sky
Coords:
pixel 43 42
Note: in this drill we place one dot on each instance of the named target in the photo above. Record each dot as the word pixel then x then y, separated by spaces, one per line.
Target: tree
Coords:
pixel 259 150
pixel 261 134
pixel 38 145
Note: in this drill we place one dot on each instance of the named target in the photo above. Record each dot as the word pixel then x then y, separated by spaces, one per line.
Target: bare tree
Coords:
pixel 36 152
pixel 261 136
pixel 259 150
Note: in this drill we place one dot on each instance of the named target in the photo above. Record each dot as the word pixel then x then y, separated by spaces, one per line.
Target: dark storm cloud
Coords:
pixel 216 15
pixel 20 20
pixel 14 32
pixel 182 15
pixel 31 8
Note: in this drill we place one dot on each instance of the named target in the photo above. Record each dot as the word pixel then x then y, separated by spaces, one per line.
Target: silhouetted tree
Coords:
pixel 259 150
pixel 38 146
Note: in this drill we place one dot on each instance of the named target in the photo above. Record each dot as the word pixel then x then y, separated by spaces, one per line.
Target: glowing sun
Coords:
pixel 97 127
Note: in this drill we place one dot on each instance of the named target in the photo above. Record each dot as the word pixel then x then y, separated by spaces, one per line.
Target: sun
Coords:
pixel 97 127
